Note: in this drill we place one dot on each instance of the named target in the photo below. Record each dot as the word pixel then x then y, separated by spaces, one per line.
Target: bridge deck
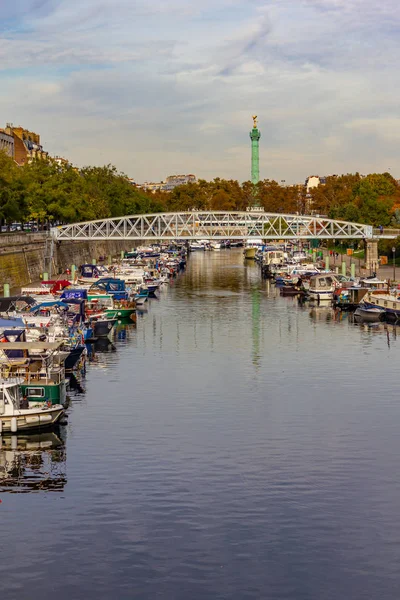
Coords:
pixel 218 225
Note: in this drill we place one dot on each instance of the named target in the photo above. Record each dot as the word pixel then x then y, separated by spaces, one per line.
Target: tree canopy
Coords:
pixel 47 192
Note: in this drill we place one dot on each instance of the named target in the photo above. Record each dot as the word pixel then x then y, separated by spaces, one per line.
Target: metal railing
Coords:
pixel 217 225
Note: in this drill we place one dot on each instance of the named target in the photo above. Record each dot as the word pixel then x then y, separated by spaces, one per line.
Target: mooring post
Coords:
pixel 6 290
pixel 327 262
pixel 344 267
pixel 353 270
pixel 73 271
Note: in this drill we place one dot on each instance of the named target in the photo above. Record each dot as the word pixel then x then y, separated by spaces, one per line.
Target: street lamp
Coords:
pixel 394 263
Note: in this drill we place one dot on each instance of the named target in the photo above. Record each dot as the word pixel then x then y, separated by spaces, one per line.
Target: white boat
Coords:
pixel 215 246
pixel 322 287
pixel 303 269
pixel 299 256
pixel 197 246
pixel 16 416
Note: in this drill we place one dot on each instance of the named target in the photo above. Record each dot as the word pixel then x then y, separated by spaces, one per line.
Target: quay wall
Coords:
pixel 22 256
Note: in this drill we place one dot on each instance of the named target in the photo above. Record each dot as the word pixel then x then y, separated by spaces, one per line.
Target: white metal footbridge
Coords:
pixel 217 225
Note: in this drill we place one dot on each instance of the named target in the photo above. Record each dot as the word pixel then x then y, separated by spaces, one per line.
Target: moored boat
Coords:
pixel 322 287
pixel 15 414
pixel 370 314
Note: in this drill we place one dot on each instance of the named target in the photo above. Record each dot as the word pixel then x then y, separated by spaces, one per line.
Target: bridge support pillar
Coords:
pixel 371 256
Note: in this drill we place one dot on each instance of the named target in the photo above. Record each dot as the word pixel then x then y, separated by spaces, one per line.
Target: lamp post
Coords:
pixel 394 263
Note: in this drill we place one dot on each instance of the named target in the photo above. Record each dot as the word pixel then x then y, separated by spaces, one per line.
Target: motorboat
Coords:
pixel 216 245
pixel 370 314
pixel 322 287
pixel 16 415
pixel 197 246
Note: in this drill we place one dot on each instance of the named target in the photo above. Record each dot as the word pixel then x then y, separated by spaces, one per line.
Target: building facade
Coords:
pixel 7 143
pixel 171 182
pixel 27 146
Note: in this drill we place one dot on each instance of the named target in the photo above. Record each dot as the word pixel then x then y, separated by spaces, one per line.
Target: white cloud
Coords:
pixel 156 87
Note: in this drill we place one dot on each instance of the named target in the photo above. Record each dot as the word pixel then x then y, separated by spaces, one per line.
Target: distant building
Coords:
pixel 151 186
pixel 171 182
pixel 27 145
pixel 7 143
pixel 314 181
pixel 59 160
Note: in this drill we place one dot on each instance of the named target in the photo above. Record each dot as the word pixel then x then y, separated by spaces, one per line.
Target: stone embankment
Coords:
pixel 22 256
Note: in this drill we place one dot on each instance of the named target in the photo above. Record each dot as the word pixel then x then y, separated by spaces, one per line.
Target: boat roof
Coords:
pixel 10 302
pixel 31 345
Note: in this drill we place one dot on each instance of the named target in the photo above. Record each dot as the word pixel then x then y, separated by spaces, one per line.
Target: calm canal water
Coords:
pixel 233 446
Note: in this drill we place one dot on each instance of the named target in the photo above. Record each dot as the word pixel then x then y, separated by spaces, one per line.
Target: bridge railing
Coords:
pixel 386 232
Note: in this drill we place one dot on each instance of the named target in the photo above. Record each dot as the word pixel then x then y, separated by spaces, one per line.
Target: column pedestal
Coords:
pixel 371 256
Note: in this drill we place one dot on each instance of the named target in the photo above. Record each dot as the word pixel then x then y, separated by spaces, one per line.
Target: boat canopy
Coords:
pixel 48 304
pixel 15 302
pixel 31 345
pixel 7 323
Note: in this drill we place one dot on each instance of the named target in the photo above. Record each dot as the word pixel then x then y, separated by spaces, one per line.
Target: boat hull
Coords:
pixel 120 313
pixel 371 315
pixel 24 420
pixel 103 327
pixel 250 253
pixel 320 296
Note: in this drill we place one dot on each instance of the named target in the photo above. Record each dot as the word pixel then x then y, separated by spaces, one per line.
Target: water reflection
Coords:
pixel 32 463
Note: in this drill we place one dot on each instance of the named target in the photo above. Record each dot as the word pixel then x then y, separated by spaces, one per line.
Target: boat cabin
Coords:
pixel 109 285
pixel 322 283
pixel 11 398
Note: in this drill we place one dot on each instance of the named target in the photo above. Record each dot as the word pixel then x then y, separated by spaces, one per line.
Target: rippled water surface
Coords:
pixel 235 445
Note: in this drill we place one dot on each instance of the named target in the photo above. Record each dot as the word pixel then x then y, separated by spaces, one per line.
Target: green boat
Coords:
pixel 111 308
pixel 120 313
pixel 44 392
pixel 41 378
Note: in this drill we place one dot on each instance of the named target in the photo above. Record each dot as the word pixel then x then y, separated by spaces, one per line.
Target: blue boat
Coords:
pixel 108 285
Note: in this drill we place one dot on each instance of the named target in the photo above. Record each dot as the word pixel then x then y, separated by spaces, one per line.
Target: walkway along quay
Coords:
pixel 24 257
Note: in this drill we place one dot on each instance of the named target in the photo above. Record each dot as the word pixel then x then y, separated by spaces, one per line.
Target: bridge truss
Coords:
pixel 212 225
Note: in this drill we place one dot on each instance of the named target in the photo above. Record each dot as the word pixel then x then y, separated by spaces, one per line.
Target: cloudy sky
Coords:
pixel 159 87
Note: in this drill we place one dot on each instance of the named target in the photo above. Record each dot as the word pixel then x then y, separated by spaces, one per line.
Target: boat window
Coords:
pixel 14 394
pixel 35 392
pixel 385 303
pixel 322 283
pixel 394 304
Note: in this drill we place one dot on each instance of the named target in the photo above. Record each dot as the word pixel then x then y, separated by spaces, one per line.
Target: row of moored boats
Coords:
pixel 371 298
pixel 44 331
